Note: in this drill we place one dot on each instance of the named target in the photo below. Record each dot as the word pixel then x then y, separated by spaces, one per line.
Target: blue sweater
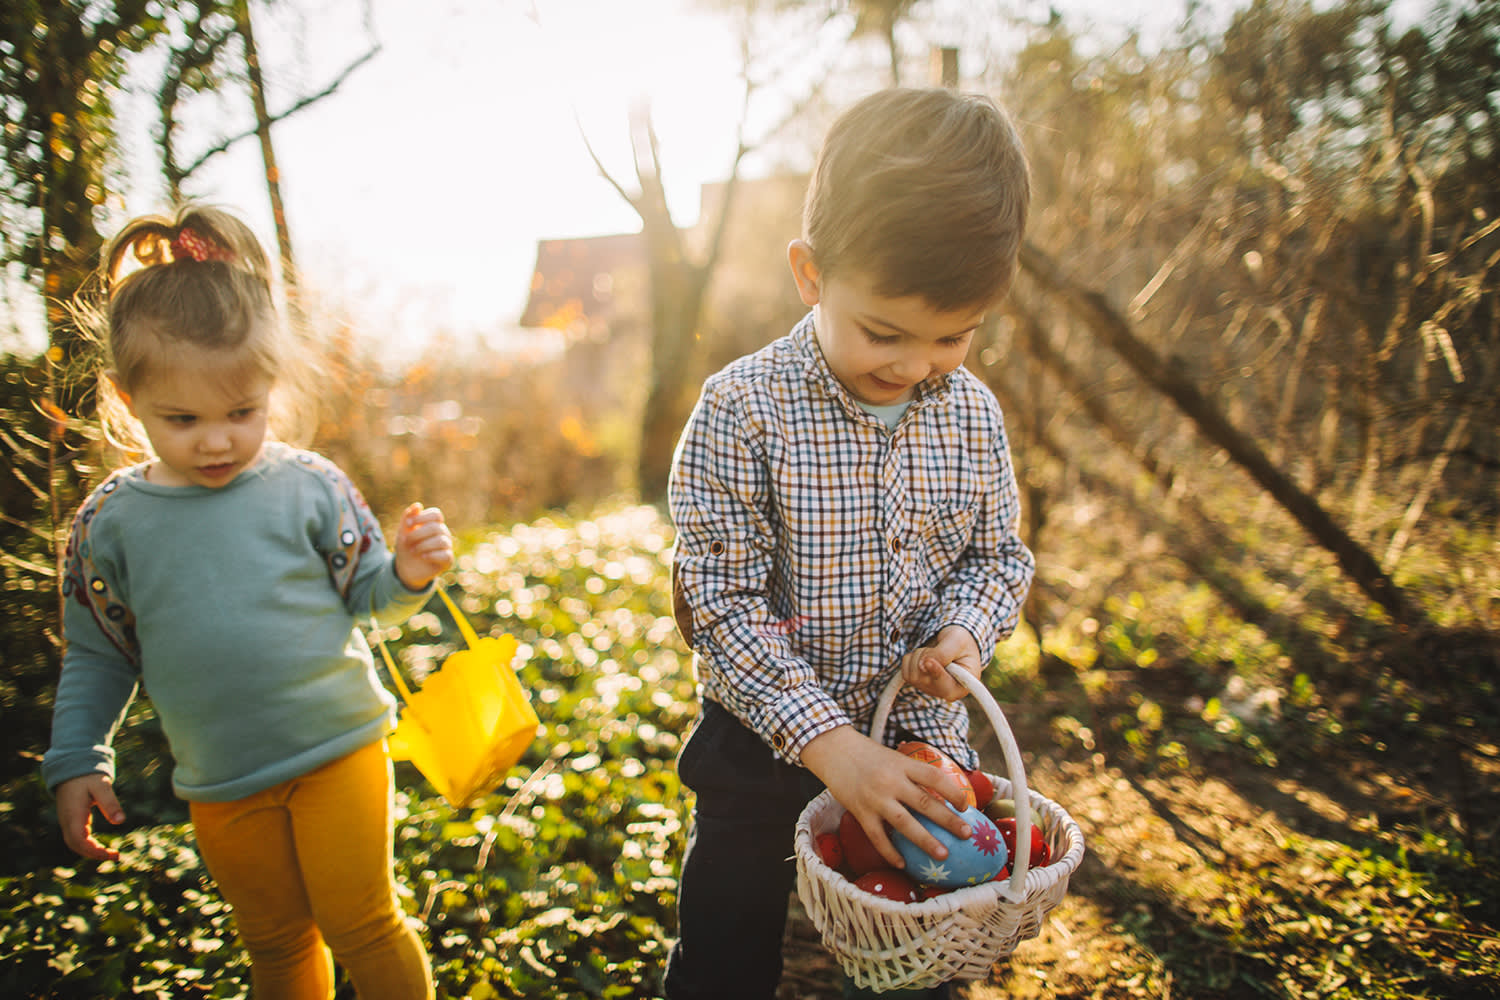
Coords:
pixel 236 608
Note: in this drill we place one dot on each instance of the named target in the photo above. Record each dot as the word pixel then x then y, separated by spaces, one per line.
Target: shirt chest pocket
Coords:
pixel 943 533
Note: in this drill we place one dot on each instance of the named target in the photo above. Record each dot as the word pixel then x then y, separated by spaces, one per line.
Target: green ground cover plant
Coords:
pixel 1270 811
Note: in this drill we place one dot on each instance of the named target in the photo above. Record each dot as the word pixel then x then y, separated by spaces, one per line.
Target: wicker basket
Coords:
pixel 886 945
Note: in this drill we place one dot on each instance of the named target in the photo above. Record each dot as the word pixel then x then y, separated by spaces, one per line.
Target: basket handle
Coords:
pixel 1013 889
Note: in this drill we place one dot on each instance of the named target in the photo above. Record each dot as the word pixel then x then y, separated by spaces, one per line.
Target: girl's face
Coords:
pixel 880 348
pixel 205 421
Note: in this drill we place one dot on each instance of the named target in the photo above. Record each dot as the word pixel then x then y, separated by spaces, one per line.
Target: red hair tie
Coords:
pixel 189 244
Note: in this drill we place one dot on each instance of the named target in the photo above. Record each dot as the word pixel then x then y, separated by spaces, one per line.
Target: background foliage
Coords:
pixel 1287 790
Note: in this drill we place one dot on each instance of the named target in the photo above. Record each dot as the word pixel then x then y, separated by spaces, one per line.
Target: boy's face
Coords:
pixel 879 348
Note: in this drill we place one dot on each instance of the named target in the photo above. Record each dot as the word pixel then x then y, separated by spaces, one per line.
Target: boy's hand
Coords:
pixel 926 669
pixel 76 800
pixel 424 546
pixel 882 787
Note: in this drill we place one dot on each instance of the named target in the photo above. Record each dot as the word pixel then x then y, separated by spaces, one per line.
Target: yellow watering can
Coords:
pixel 470 722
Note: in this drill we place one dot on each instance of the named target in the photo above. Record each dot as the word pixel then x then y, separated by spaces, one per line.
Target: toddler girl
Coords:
pixel 226 574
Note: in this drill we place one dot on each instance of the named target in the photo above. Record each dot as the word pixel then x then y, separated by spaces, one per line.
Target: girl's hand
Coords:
pixel 926 669
pixel 76 800
pixel 424 546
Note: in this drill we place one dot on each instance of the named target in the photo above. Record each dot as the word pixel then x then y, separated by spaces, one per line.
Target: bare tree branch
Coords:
pixel 1169 377
pixel 327 91
pixel 1414 510
pixel 183 59
pixel 599 164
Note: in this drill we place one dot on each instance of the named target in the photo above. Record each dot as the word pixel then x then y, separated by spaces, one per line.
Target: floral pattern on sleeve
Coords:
pixel 357 528
pixel 84 582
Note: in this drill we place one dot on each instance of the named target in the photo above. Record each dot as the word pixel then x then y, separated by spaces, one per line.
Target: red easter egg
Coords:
pixel 984 788
pixel 1002 874
pixel 830 850
pixel 1041 856
pixel 929 754
pixel 890 884
pixel 859 853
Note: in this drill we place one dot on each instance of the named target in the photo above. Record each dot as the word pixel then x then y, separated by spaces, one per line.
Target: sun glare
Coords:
pixel 416 194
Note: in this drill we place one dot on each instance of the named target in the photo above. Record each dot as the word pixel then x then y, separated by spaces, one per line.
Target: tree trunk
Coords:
pixel 678 290
pixel 1193 536
pixel 268 153
pixel 1168 377
pixel 661 420
pixel 70 195
pixel 677 293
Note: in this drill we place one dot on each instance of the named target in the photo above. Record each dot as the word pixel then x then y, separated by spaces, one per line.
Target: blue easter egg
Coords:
pixel 969 862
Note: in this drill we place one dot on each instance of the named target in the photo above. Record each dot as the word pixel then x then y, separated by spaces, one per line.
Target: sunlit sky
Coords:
pixel 416 193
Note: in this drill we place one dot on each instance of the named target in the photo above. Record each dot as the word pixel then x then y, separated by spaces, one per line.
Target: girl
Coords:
pixel 226 574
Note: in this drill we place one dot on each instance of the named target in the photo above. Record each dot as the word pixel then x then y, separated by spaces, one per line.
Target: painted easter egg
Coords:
pixel 929 754
pixel 969 862
pixel 860 854
pixel 984 788
pixel 999 808
pixel 1041 855
pixel 889 883
pixel 831 850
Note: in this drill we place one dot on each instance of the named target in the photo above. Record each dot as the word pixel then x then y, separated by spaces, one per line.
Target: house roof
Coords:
pixel 572 279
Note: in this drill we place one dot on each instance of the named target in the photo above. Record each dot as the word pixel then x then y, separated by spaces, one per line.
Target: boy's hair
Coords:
pixel 196 279
pixel 922 192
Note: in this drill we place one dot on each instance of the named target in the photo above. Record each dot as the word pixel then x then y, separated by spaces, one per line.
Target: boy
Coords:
pixel 845 504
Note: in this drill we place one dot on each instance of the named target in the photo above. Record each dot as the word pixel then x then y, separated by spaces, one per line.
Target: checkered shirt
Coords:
pixel 815 547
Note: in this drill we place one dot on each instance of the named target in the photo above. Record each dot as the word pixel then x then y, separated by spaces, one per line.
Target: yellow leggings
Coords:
pixel 306 865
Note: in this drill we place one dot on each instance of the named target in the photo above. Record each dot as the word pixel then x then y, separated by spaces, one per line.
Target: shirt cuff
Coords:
pixel 425 590
pixel 796 718
pixel 395 601
pixel 973 619
pixel 65 765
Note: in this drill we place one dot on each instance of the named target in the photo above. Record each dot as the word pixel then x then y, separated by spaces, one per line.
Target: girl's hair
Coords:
pixel 199 279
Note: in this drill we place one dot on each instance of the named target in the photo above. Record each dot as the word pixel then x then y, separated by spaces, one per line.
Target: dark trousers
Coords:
pixel 738 872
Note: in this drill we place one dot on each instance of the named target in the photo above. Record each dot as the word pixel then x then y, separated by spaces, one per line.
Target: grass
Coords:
pixel 1289 803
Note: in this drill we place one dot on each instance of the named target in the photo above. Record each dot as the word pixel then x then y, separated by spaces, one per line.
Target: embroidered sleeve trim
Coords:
pixel 85 583
pixel 357 527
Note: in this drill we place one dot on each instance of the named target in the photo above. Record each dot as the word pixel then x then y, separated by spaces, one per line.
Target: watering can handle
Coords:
pixel 464 628
pixel 390 665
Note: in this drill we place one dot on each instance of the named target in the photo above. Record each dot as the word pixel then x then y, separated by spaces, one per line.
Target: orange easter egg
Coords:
pixel 929 754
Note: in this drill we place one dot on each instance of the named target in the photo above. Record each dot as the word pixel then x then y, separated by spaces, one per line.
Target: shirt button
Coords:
pixel 895 544
pixel 778 742
pixel 895 635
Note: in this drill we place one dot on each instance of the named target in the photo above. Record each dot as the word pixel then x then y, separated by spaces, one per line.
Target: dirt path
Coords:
pixel 1360 867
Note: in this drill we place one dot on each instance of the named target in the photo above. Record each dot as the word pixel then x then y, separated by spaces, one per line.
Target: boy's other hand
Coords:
pixel 424 546
pixel 883 787
pixel 926 668
pixel 76 800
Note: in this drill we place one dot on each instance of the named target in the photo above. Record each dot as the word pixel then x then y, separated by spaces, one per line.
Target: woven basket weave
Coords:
pixel 886 945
